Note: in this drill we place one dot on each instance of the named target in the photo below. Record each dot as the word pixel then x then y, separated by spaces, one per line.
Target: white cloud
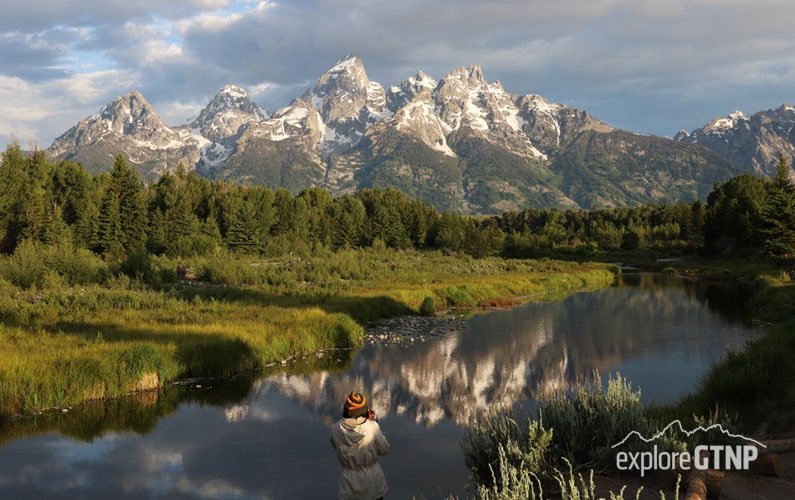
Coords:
pixel 41 14
pixel 37 112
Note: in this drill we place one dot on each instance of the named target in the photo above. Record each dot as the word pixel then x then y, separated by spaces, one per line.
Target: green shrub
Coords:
pixel 137 265
pixel 26 267
pixel 428 307
pixel 508 460
pixel 79 266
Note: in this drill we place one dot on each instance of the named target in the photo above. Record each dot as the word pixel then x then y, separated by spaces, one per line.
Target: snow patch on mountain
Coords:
pixel 419 117
pixel 214 155
pixel 286 123
pixel 347 63
pixel 719 125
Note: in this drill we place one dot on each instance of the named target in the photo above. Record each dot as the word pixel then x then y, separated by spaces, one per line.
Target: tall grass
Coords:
pixel 516 483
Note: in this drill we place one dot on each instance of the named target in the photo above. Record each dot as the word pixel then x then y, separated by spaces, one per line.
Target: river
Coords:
pixel 268 437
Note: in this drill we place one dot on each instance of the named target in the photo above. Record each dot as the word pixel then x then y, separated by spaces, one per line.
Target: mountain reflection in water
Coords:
pixel 255 439
pixel 515 356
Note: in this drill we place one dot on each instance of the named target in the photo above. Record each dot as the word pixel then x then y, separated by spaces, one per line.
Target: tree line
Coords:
pixel 744 215
pixel 182 214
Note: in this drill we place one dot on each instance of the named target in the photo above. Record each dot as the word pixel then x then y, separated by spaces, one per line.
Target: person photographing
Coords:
pixel 358 440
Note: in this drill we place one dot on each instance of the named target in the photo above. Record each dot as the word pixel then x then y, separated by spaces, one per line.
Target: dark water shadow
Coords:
pixel 729 299
pixel 137 413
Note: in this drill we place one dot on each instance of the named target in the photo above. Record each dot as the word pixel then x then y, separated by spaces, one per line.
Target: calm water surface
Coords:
pixel 268 438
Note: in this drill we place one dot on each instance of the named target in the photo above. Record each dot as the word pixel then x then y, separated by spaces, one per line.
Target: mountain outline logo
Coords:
pixel 686 432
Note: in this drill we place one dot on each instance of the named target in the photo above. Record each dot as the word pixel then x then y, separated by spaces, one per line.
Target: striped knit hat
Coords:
pixel 355 405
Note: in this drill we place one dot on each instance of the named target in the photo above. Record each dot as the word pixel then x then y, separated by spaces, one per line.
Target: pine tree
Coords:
pixel 33 196
pixel 12 178
pixel 451 232
pixel 56 231
pixel 132 204
pixel 347 216
pixel 110 236
pixel 734 213
pixel 183 228
pixel 778 215
pixel 86 229
pixel 241 235
pixel 70 188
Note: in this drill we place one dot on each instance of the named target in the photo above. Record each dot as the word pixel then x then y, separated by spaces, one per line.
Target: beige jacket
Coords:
pixel 358 442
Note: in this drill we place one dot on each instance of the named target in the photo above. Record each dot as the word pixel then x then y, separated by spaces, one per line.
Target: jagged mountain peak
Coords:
pixel 128 124
pixel 421 81
pixel 725 122
pixel 228 111
pixel 334 115
pixel 350 63
pixel 472 75
pixel 128 114
pixel 346 76
pixel 786 108
pixel 233 91
pixel 132 104
pixel 400 95
pixel 231 97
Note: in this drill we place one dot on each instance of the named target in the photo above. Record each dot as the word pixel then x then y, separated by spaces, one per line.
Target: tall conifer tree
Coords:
pixel 778 216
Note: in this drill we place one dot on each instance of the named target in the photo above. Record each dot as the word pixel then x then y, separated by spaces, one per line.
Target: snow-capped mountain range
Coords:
pixel 753 141
pixel 461 143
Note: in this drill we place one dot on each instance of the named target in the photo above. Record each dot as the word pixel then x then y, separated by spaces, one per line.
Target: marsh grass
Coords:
pixel 90 331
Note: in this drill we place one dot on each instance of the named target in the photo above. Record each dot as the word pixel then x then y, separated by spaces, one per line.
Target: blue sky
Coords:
pixel 650 66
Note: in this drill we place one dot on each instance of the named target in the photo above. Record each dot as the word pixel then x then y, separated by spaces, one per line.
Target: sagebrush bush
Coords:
pixel 521 484
pixel 578 426
pixel 500 443
pixel 589 419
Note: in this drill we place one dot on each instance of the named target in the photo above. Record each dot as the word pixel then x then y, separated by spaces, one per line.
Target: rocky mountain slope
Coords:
pixel 752 142
pixel 126 125
pixel 461 143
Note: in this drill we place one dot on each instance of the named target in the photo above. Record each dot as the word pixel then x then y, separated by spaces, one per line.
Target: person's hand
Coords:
pixel 371 414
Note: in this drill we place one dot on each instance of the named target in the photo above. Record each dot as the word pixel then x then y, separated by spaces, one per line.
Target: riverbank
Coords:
pixel 749 391
pixel 62 344
pixel 753 387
